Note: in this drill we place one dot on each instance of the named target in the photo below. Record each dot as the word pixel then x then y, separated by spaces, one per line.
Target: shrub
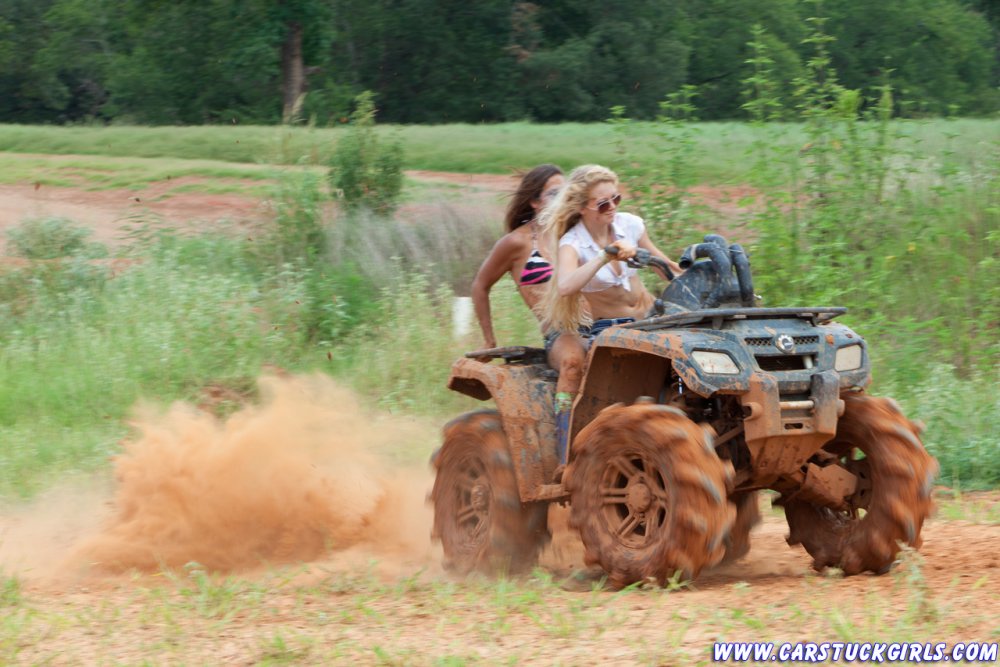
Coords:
pixel 298 234
pixel 367 173
pixel 337 298
pixel 51 238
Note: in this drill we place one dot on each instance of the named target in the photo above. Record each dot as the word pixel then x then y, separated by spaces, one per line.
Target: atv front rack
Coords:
pixel 816 315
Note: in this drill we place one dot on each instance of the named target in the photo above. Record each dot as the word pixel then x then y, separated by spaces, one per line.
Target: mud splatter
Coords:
pixel 294 479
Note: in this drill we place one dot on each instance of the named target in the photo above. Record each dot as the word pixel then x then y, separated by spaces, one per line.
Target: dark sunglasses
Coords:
pixel 604 205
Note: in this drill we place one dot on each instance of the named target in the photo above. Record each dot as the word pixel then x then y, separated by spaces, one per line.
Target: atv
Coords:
pixel 681 418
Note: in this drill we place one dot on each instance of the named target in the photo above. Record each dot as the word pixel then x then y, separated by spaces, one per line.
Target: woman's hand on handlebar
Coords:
pixel 620 250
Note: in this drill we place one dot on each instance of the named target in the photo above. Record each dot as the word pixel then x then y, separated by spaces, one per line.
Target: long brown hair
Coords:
pixel 566 313
pixel 520 211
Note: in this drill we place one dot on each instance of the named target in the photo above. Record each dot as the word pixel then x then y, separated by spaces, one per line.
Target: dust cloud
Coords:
pixel 304 476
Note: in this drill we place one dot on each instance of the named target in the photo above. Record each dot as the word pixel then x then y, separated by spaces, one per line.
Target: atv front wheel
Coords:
pixel 747 516
pixel 893 496
pixel 648 495
pixel 478 515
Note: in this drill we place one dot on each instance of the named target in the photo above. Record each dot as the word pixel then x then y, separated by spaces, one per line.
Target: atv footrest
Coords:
pixel 515 354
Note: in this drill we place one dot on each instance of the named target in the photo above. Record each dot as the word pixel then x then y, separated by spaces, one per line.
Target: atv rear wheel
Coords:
pixel 478 515
pixel 648 495
pixel 893 497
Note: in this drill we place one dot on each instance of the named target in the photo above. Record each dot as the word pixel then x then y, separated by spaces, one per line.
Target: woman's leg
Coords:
pixel 568 355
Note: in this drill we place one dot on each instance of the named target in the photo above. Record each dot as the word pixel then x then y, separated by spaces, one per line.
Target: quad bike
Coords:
pixel 681 418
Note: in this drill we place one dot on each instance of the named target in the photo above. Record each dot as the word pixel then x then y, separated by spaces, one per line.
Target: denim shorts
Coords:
pixel 600 325
pixel 587 333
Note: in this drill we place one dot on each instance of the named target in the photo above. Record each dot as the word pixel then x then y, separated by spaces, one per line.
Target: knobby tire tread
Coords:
pixel 902 480
pixel 514 533
pixel 699 515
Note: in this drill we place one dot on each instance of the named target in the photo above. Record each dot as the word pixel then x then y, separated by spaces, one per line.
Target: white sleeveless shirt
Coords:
pixel 625 227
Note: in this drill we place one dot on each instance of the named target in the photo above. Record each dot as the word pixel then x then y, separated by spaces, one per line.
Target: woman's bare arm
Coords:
pixel 646 243
pixel 572 280
pixel 497 263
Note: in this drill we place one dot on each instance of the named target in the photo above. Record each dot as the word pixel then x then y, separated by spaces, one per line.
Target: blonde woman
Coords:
pixel 585 219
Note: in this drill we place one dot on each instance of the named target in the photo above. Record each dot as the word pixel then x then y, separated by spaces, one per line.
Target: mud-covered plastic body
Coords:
pixel 769 387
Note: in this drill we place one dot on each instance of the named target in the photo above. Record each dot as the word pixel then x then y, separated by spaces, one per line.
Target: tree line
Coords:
pixel 434 61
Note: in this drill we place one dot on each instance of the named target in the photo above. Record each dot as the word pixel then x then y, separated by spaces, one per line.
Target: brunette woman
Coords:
pixel 523 254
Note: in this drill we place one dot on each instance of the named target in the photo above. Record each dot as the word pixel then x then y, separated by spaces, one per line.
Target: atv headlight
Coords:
pixel 719 363
pixel 848 358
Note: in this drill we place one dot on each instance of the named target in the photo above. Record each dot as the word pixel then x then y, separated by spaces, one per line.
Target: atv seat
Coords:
pixel 514 354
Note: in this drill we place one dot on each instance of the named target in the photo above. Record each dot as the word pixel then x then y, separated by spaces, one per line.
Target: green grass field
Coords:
pixel 720 155
pixel 92 172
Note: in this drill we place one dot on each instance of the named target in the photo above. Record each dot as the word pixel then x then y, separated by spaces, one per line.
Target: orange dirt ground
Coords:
pixel 949 593
pixel 769 595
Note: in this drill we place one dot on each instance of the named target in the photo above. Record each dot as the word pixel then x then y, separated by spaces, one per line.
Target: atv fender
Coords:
pixel 524 397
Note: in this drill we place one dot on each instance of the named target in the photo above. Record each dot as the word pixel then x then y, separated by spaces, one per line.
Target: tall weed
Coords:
pixel 297 232
pixel 10 590
pixel 660 194
pixel 82 345
pixel 293 254
pixel 863 222
pixel 448 241
pixel 867 225
pixel 402 358
pixel 75 359
pixel 962 421
pixel 859 215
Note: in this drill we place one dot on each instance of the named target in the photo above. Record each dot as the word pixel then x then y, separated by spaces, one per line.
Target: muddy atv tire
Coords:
pixel 478 515
pixel 895 481
pixel 648 495
pixel 737 543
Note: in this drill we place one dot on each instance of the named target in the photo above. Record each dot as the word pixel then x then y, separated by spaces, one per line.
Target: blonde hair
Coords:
pixel 567 313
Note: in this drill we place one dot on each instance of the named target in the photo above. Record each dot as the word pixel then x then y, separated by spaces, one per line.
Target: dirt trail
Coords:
pixel 112 214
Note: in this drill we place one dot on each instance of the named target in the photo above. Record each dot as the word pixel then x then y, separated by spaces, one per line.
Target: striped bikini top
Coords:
pixel 537 269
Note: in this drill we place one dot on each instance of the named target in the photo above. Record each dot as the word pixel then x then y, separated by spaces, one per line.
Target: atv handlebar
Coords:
pixel 726 259
pixel 642 259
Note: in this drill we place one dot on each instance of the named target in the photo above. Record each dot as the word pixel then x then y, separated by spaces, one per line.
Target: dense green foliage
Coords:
pixel 434 61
